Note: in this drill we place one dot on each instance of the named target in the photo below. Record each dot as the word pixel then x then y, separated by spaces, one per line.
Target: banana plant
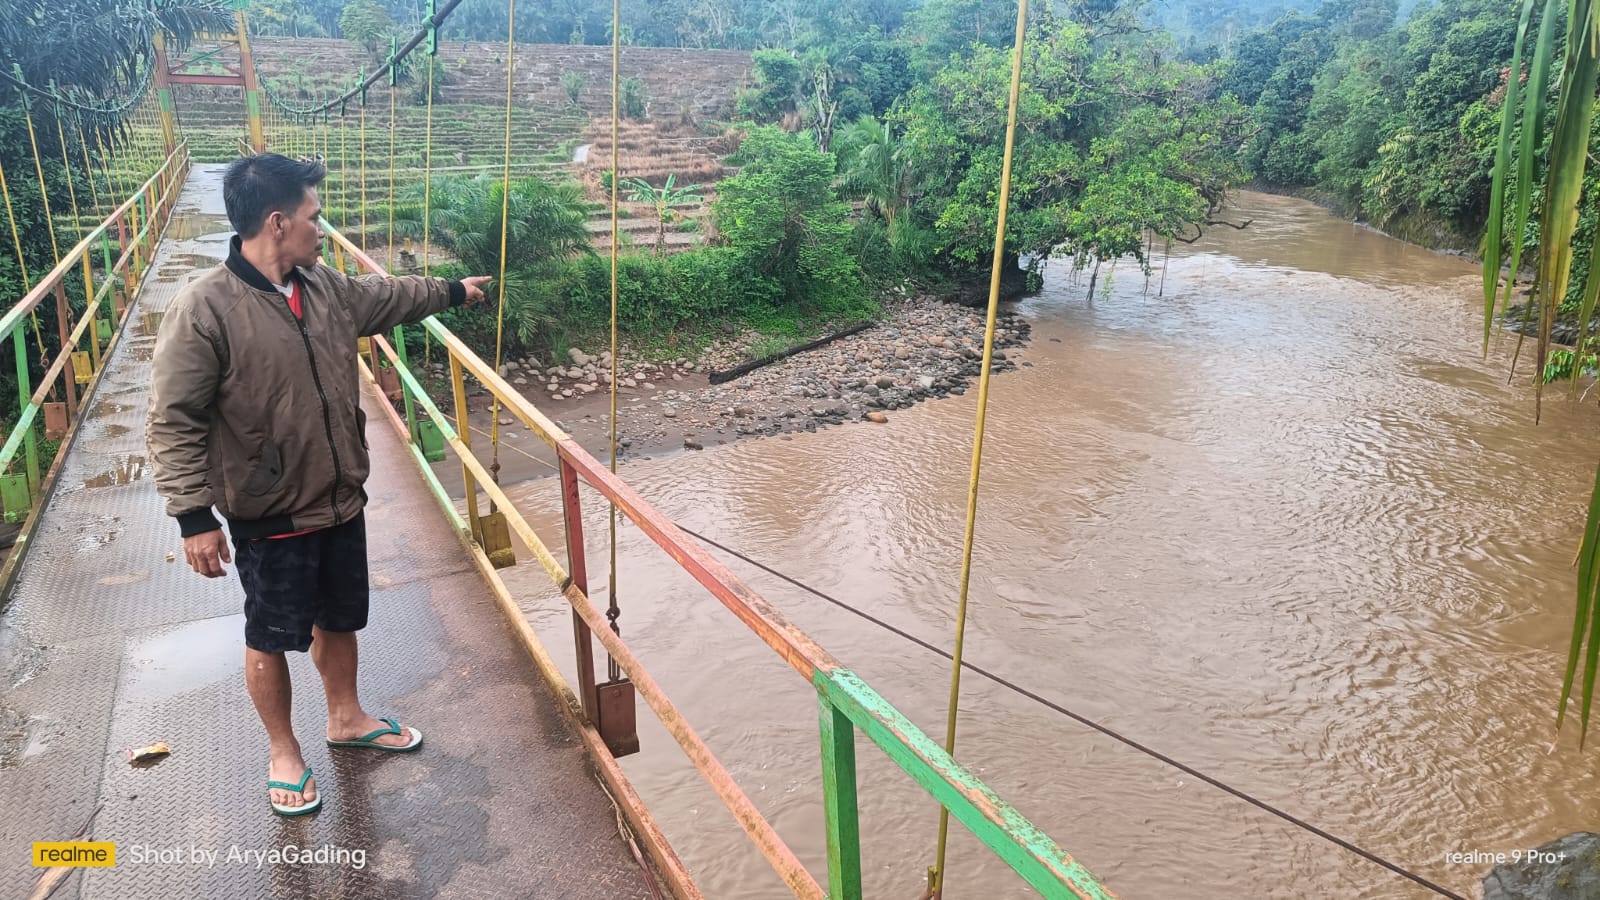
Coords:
pixel 663 198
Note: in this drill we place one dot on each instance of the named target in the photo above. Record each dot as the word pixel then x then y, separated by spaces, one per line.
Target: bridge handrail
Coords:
pixel 846 702
pixel 139 223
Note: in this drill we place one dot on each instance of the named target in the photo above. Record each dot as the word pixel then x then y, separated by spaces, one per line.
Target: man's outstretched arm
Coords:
pixel 380 302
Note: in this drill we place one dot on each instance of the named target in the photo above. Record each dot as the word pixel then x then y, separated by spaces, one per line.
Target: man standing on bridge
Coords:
pixel 256 409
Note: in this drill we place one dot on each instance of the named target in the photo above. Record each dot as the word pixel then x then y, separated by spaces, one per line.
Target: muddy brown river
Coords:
pixel 1284 523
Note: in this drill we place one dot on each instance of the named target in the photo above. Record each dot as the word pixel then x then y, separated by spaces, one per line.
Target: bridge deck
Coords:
pixel 105 644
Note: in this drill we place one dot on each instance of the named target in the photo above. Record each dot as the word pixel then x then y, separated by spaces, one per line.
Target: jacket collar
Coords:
pixel 247 271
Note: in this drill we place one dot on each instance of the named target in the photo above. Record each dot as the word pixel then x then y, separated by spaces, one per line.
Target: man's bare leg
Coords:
pixel 334 653
pixel 267 677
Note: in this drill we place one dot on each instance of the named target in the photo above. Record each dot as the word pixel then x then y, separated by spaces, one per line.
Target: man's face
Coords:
pixel 298 235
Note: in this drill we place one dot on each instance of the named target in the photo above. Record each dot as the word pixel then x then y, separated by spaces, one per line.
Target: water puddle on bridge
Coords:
pixel 127 470
pixel 192 225
pixel 179 265
pixel 187 658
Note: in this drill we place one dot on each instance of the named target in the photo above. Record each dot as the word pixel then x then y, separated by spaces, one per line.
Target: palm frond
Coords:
pixel 1558 221
pixel 1494 244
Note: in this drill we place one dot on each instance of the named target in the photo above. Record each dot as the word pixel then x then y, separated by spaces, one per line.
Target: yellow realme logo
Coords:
pixel 98 854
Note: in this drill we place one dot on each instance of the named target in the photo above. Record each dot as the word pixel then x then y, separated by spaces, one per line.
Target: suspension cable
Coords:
pixel 344 179
pixel 505 227
pixel 1085 721
pixel 16 235
pixel 22 263
pixel 107 154
pixel 393 87
pixel 936 873
pixel 66 165
pixel 77 219
pixel 44 195
pixel 613 612
pixel 88 170
pixel 368 81
pixel 363 130
pixel 427 206
pixel 107 112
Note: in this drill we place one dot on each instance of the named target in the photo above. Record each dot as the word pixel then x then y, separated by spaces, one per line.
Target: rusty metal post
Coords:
pixel 469 486
pixel 89 306
pixel 119 296
pixel 572 516
pixel 62 312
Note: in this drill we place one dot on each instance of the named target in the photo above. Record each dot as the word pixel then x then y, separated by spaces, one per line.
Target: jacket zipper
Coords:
pixel 327 417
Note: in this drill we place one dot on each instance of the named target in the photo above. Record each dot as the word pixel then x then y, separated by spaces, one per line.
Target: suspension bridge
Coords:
pixel 110 643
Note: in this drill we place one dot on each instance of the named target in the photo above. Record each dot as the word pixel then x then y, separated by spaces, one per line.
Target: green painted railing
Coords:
pixel 131 231
pixel 846 703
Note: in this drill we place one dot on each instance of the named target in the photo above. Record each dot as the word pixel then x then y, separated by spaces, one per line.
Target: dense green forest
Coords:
pixel 1395 123
pixel 1137 119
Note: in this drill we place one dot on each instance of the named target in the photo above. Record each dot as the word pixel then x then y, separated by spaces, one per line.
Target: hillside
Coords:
pixel 686 91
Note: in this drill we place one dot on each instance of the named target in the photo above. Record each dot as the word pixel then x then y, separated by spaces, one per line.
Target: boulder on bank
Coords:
pixel 1566 869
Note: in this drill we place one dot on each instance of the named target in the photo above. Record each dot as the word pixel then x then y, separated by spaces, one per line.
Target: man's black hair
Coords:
pixel 258 186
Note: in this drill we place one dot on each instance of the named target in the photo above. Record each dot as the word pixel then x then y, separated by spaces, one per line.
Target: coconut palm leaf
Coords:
pixel 1494 244
pixel 99 46
pixel 1558 219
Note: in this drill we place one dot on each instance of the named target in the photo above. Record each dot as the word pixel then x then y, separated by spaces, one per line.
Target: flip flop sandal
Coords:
pixel 368 740
pixel 280 809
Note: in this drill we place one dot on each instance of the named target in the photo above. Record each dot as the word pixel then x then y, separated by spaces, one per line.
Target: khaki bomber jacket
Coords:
pixel 258 414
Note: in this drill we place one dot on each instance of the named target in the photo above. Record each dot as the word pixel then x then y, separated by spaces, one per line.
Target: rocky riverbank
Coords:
pixel 923 349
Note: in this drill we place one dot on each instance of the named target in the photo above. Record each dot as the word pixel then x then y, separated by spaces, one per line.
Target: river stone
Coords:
pixel 1566 869
pixel 579 358
pixel 877 417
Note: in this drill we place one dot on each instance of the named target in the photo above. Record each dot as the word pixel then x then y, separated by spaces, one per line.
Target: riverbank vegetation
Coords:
pixel 864 155
pixel 865 159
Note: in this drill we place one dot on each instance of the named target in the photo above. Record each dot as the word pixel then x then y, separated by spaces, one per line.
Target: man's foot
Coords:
pixel 288 769
pixel 378 734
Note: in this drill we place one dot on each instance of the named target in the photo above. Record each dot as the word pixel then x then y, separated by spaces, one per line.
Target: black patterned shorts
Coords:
pixel 293 583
